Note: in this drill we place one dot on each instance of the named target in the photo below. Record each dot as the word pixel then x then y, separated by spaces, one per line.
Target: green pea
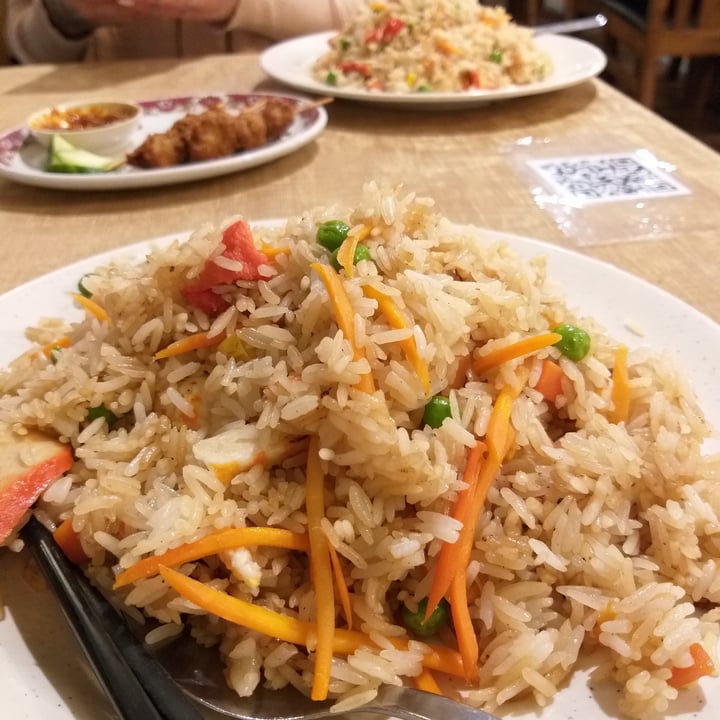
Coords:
pixel 423 88
pixel 437 411
pixel 331 78
pixel 82 287
pixel 416 623
pixel 331 234
pixel 362 252
pixel 575 342
pixel 345 43
pixel 496 56
pixel 94 413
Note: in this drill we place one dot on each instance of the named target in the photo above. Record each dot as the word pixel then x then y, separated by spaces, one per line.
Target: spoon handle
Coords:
pixel 137 686
pixel 410 704
pixel 565 27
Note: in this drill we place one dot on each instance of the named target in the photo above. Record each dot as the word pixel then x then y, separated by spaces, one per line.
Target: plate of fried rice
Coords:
pixel 404 411
pixel 432 53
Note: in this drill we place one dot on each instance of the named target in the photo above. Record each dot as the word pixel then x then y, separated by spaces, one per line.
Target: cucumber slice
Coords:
pixel 63 157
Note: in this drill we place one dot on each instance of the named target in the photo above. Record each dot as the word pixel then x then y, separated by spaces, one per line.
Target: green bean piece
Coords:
pixel 437 411
pixel 331 233
pixel 55 351
pixel 496 56
pixel 82 288
pixel 575 342
pixel 331 78
pixel 416 623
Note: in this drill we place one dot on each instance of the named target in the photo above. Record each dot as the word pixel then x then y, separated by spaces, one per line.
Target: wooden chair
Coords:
pixel 667 28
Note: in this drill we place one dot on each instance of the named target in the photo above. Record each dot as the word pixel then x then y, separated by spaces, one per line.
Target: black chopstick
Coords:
pixel 136 684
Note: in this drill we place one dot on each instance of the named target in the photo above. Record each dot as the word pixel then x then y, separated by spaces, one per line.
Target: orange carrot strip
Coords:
pixel 494 358
pixel 345 317
pixel 69 542
pixel 462 622
pixel 464 364
pixel 396 320
pixel 191 342
pixel 320 570
pixel 62 342
pixel 446 566
pixel 498 428
pixel 620 393
pixel 702 665
pixel 229 539
pixel 426 681
pixel 346 254
pixel 292 630
pixel 549 384
pixel 341 586
pixel 272 252
pixel 91 306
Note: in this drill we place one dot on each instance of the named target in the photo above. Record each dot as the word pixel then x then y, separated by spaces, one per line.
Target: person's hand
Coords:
pixel 122 12
pixel 198 10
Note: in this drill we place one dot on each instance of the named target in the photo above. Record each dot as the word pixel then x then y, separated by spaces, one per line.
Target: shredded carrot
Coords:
pixel 620 393
pixel 426 681
pixel 462 622
pixel 341 586
pixel 446 566
pixel 272 252
pixel 62 342
pixel 91 306
pixel 464 364
pixel 229 539
pixel 702 665
pixel 498 427
pixel 69 542
pixel 549 384
pixel 320 570
pixel 345 317
pixel 292 630
pixel 396 320
pixel 191 342
pixel 528 345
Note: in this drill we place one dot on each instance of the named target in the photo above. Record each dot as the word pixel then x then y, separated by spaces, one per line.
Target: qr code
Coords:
pixel 607 178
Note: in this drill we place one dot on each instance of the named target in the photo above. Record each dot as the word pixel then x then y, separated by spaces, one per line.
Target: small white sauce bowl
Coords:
pixel 104 128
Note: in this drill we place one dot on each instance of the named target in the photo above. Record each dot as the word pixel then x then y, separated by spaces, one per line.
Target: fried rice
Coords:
pixel 599 532
pixel 409 46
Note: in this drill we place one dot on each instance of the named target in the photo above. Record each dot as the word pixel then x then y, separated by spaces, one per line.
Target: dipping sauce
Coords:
pixel 84 117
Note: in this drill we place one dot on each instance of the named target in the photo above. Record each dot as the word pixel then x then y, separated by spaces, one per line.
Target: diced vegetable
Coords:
pixel 69 542
pixel 426 682
pixel 415 620
pixel 82 287
pixel 28 464
pixel 320 571
pixel 344 316
pixel 331 233
pixel 385 32
pixel 702 665
pixel 52 349
pixel 574 343
pixel 91 306
pixel 462 623
pixel 292 630
pixel 331 78
pixel 63 157
pixel 189 343
pixel 437 411
pixel 362 69
pixel 228 539
pixel 496 56
pixel 341 586
pixel 100 411
pixel 620 394
pixel 362 252
pixel 549 383
pixel 495 358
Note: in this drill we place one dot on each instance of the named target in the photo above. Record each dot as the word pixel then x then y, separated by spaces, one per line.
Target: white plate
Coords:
pixel 22 159
pixel 43 671
pixel 291 62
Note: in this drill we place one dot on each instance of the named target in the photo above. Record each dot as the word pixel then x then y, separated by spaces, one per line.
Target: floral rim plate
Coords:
pixel 22 159
pixel 44 673
pixel 291 62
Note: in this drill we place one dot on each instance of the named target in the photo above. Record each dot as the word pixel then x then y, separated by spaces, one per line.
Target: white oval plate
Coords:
pixel 291 62
pixel 22 159
pixel 44 674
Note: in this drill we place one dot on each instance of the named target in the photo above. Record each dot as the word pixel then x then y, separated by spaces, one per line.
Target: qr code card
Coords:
pixel 591 179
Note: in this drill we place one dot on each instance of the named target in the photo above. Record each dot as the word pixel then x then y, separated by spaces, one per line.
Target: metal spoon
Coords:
pixel 143 685
pixel 565 27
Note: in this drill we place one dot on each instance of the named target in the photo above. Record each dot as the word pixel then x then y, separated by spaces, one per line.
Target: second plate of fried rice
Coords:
pixel 596 540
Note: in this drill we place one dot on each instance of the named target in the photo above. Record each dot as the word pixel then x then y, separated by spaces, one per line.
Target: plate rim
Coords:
pixel 176 174
pixel 268 61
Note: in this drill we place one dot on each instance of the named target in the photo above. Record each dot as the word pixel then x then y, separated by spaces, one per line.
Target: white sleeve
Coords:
pixel 32 37
pixel 278 19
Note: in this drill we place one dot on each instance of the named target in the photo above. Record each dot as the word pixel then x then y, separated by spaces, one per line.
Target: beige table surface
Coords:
pixel 460 158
